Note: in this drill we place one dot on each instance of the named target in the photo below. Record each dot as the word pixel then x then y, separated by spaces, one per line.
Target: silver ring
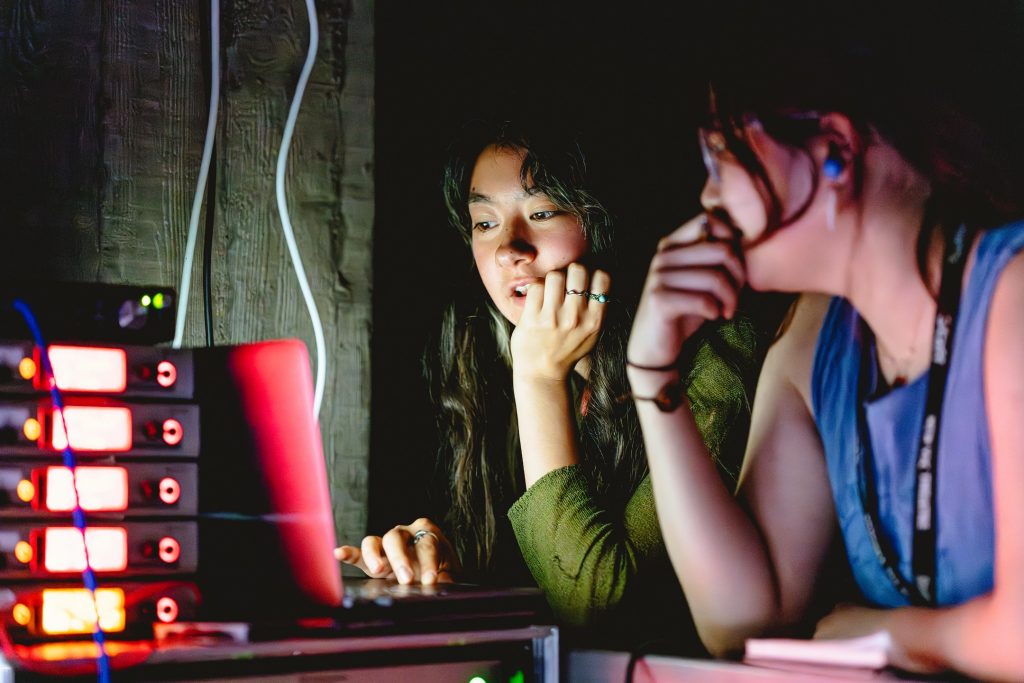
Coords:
pixel 576 292
pixel 599 298
pixel 418 536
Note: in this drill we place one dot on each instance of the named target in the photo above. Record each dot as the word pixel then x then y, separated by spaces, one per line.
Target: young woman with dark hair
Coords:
pixel 888 414
pixel 543 456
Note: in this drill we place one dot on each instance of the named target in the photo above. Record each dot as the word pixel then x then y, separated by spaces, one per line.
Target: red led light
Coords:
pixel 169 550
pixel 173 432
pixel 63 550
pixel 169 490
pixel 166 374
pixel 80 368
pixel 93 428
pixel 100 489
pixel 167 610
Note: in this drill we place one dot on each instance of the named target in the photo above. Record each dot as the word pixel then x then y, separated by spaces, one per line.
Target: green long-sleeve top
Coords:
pixel 606 576
pixel 583 555
pixel 606 571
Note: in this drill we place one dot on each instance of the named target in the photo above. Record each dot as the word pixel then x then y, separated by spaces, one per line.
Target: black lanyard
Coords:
pixel 922 590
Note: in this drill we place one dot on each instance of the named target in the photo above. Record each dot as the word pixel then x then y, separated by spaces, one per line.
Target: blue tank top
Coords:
pixel 964 512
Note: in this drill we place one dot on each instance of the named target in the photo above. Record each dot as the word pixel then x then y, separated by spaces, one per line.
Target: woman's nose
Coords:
pixel 516 248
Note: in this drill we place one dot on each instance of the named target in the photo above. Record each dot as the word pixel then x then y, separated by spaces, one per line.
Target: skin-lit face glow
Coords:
pixel 518 235
pixel 770 260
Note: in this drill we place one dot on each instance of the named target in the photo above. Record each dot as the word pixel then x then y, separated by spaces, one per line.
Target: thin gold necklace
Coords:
pixel 902 368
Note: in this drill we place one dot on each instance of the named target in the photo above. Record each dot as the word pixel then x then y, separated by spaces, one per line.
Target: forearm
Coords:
pixel 980 638
pixel 716 550
pixel 547 432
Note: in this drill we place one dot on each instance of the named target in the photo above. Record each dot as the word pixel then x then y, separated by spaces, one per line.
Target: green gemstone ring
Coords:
pixel 599 298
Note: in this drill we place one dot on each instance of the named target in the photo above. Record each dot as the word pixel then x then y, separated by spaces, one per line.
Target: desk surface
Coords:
pixel 195 658
pixel 594 666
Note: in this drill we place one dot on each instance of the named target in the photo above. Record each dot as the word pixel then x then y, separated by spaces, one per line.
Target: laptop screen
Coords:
pixel 267 536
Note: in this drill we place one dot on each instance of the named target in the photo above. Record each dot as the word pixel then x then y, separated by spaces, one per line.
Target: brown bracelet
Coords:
pixel 674 365
pixel 669 397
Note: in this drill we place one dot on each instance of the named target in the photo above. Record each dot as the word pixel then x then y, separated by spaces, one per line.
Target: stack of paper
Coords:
pixel 868 652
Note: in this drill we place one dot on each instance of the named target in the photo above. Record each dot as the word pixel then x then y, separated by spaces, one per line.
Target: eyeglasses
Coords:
pixel 712 146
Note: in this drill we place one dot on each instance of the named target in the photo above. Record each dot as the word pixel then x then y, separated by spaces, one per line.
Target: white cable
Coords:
pixel 282 208
pixel 286 221
pixel 204 172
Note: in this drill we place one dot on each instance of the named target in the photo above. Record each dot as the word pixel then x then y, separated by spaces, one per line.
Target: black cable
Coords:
pixel 642 650
pixel 634 657
pixel 211 210
pixel 211 206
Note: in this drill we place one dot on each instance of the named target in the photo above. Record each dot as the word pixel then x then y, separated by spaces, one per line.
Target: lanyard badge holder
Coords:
pixel 922 591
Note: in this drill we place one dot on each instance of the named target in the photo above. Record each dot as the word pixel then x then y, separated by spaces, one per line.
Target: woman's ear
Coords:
pixel 841 146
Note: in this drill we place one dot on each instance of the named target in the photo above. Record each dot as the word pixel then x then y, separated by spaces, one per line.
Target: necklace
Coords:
pixel 901 367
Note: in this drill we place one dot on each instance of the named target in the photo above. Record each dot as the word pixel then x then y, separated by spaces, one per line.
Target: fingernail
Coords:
pixel 428 577
pixel 404 575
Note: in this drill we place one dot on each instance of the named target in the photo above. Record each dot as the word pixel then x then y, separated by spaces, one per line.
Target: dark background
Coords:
pixel 618 73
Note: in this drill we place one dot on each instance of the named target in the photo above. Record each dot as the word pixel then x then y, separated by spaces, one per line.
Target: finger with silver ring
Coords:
pixel 418 536
pixel 576 281
pixel 427 547
pixel 600 284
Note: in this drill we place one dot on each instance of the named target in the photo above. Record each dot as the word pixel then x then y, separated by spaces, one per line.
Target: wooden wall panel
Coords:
pixel 154 117
pixel 101 132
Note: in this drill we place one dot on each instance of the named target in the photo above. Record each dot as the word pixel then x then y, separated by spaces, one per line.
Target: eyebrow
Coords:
pixel 478 198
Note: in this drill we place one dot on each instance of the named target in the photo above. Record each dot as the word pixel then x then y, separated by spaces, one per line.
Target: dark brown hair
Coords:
pixel 920 76
pixel 469 367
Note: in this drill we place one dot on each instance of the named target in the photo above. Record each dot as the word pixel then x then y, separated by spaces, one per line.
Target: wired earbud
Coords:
pixel 834 164
pixel 832 167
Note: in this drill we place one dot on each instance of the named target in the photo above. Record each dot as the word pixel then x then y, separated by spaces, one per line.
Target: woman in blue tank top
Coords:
pixel 889 417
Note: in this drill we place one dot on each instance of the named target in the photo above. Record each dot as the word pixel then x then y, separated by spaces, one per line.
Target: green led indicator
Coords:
pixel 478 679
pixel 517 677
pixel 158 301
pixel 146 300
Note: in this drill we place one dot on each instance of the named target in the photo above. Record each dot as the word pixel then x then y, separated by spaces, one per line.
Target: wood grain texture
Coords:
pixel 101 134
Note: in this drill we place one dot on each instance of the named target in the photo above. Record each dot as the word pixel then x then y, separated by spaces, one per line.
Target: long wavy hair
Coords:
pixel 468 366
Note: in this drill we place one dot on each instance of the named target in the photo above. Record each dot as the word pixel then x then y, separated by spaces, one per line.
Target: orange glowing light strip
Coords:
pixel 100 489
pixel 81 368
pixel 63 550
pixel 71 610
pixel 93 428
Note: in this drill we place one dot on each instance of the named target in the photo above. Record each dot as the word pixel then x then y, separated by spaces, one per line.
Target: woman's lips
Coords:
pixel 518 288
